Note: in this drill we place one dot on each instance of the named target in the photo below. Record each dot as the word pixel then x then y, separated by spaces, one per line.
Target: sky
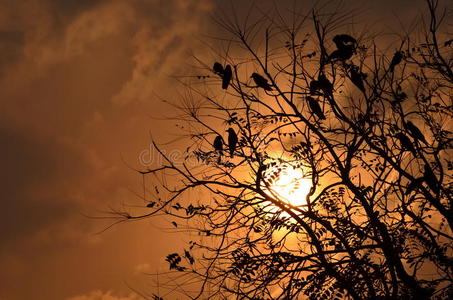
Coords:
pixel 81 83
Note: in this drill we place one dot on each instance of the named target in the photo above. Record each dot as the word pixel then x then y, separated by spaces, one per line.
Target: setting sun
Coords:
pixel 290 185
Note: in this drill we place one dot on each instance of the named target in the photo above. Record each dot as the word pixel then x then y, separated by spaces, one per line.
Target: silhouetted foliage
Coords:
pixel 368 126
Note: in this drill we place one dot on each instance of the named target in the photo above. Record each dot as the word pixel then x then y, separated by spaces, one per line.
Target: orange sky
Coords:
pixel 77 88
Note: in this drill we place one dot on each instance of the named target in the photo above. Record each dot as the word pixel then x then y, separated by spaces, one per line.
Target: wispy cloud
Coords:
pixel 99 295
pixel 76 84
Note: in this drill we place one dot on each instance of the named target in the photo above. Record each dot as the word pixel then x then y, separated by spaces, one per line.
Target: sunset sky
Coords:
pixel 80 89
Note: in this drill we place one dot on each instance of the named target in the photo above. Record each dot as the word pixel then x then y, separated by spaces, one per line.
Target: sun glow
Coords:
pixel 289 184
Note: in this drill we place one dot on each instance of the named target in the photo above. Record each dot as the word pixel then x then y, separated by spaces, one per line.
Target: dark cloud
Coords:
pixel 28 164
pixel 77 80
pixel 11 43
pixel 73 7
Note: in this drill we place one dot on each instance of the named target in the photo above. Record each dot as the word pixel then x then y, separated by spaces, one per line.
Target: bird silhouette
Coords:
pixel 314 87
pixel 431 179
pixel 218 147
pixel 397 58
pixel 346 45
pixel 261 82
pixel 344 40
pixel 232 141
pixel 342 54
pixel 415 132
pixel 227 74
pixel 325 85
pixel 315 107
pixel 218 68
pixel 405 142
pixel 357 78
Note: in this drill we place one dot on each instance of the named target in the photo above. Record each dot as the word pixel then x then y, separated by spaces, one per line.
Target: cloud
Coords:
pixel 99 295
pixel 30 163
pixel 76 81
pixel 162 46
pixel 142 268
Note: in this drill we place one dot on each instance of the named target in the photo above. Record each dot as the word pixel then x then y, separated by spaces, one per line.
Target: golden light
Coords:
pixel 288 184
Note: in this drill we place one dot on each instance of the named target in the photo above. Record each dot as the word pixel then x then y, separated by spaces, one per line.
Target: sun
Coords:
pixel 288 184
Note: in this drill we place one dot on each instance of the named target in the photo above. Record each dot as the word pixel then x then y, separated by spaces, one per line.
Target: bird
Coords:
pixel 342 54
pixel 397 58
pixel 218 146
pixel 346 45
pixel 218 68
pixel 314 87
pixel 431 179
pixel 315 107
pixel 357 79
pixel 405 142
pixel 232 141
pixel 227 74
pixel 325 85
pixel 344 40
pixel 261 82
pixel 415 132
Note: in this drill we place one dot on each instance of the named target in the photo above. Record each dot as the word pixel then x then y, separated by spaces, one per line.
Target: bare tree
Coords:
pixel 330 174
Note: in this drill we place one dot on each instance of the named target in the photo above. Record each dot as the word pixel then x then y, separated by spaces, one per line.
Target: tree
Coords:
pixel 312 101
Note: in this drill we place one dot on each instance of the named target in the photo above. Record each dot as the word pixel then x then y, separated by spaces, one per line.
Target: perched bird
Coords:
pixel 397 58
pixel 314 87
pixel 405 142
pixel 346 45
pixel 261 82
pixel 344 40
pixel 342 54
pixel 315 107
pixel 232 141
pixel 431 179
pixel 218 68
pixel 218 146
pixel 325 85
pixel 227 74
pixel 415 132
pixel 356 78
